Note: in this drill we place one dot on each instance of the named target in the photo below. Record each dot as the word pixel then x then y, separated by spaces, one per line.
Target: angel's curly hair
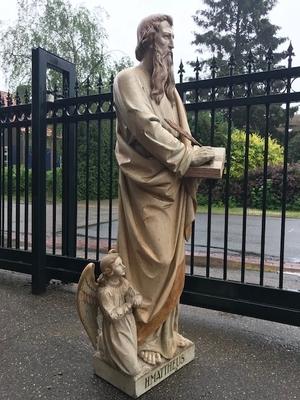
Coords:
pixel 106 265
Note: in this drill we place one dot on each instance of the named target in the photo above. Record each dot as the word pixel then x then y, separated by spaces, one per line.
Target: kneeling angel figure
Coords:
pixel 114 296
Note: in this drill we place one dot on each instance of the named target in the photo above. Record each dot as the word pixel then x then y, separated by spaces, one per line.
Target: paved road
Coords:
pixel 253 239
pixel 253 242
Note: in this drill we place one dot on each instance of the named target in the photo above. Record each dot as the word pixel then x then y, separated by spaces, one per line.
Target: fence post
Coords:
pixel 39 110
pixel 41 60
pixel 69 197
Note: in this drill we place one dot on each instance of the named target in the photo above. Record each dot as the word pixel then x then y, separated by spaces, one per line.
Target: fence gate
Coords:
pixel 58 185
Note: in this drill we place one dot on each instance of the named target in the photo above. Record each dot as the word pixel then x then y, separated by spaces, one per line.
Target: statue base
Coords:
pixel 137 385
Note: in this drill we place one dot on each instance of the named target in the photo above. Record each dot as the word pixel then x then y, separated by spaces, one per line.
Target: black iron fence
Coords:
pixel 58 192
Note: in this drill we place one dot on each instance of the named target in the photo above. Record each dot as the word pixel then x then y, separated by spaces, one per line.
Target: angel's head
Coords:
pixel 111 265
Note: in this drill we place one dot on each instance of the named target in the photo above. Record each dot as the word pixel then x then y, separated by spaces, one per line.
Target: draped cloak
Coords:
pixel 156 204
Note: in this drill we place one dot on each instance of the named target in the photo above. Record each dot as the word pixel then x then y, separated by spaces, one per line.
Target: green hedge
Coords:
pixel 255 189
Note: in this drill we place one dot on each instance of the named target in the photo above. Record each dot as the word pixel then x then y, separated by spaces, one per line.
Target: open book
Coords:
pixel 211 170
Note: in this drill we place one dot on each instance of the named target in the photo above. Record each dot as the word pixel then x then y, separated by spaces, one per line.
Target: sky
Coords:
pixel 124 16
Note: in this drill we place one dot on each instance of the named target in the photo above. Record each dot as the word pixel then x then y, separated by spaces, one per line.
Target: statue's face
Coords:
pixel 118 267
pixel 164 38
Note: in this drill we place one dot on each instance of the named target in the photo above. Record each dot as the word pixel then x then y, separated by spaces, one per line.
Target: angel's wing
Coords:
pixel 87 302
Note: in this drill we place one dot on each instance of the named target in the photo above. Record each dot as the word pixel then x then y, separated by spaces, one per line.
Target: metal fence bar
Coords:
pixel 39 111
pixel 111 141
pixel 9 185
pixel 69 198
pixel 4 185
pixel 18 172
pixel 246 167
pixel 87 166
pixel 209 210
pixel 1 180
pixel 264 194
pixel 54 185
pixel 111 163
pixel 98 187
pixel 26 188
pixel 245 194
pixel 227 177
pixel 226 197
pixel 285 177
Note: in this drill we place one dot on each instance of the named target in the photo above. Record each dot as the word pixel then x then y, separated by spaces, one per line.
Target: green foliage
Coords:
pixel 88 156
pixel 256 152
pixel 274 187
pixel 294 149
pixel 256 195
pixel 234 27
pixel 93 164
pixel 203 131
pixel 14 179
pixel 74 33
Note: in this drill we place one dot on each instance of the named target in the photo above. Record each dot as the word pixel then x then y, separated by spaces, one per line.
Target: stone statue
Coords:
pixel 157 202
pixel 114 296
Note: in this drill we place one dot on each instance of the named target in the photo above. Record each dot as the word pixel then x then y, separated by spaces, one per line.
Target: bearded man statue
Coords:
pixel 156 201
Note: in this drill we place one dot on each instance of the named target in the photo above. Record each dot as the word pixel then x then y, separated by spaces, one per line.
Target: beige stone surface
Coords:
pixel 157 204
pixel 137 385
pixel 115 298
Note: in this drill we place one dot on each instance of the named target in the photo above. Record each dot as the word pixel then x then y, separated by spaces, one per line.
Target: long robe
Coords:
pixel 156 204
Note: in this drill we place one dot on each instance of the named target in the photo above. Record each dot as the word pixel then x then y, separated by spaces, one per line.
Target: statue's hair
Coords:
pixel 146 32
pixel 106 265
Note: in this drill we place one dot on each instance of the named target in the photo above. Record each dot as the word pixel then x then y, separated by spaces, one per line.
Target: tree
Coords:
pixel 74 33
pixel 234 27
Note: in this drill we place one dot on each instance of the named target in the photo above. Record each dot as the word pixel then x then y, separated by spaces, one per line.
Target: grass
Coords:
pixel 219 210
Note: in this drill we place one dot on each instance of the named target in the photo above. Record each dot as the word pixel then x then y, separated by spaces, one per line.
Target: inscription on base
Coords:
pixel 164 371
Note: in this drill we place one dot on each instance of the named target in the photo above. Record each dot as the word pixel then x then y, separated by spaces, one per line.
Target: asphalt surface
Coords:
pixel 45 353
pixel 253 233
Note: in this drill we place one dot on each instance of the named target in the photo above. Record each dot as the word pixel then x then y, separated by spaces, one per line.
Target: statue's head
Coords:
pixel 147 33
pixel 112 264
pixel 155 39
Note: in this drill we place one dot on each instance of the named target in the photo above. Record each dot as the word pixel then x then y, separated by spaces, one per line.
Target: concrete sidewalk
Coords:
pixel 45 353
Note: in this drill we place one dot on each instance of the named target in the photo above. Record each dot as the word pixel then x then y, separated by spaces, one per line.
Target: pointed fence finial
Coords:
pixel 269 58
pixel 55 91
pixel 231 64
pixel 111 79
pixel 111 82
pixel 9 99
pixel 18 99
pixel 66 89
pixel 87 85
pixel 213 66
pixel 197 68
pixel 181 71
pixel 289 54
pixel 76 87
pixel 250 61
pixel 26 96
pixel 99 84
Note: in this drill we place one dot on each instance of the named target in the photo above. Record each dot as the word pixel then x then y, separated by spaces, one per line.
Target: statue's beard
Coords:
pixel 162 80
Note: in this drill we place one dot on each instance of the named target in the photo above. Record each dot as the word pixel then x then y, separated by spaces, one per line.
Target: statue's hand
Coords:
pixel 201 155
pixel 137 301
pixel 121 311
